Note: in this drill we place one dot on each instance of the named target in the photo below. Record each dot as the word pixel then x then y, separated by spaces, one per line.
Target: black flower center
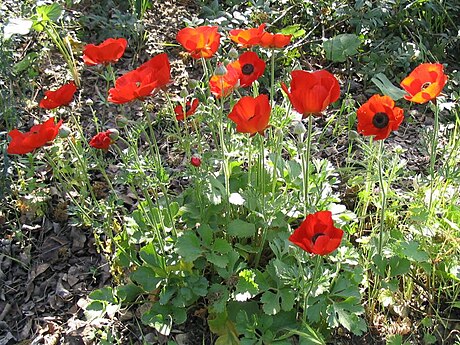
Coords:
pixel 380 120
pixel 247 69
pixel 187 108
pixel 425 85
pixel 315 237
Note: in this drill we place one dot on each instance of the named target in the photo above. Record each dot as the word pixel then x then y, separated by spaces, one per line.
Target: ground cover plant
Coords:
pixel 265 173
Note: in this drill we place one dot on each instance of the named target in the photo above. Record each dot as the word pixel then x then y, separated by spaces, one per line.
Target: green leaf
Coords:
pixel 247 284
pixel 410 250
pixel 341 46
pixel 293 30
pixel 380 265
pixel 241 229
pixel 398 266
pixel 347 313
pixel 49 12
pixel 94 310
pixel 150 255
pixel 147 278
pixel 221 246
pixel 105 295
pixel 218 295
pixel 271 303
pixel 387 88
pixel 189 246
pixel 128 292
pixel 287 299
pixel 162 323
pixel 199 285
pixel 206 234
pixel 218 259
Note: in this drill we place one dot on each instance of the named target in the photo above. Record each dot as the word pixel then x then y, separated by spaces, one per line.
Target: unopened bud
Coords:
pixel 89 101
pixel 352 134
pixel 64 131
pixel 220 70
pixel 113 133
pixel 183 93
pixel 195 161
pixel 121 121
pixel 233 54
pixel 299 128
pixel 192 83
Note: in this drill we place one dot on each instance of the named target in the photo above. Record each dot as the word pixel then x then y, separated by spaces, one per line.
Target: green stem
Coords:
pixel 261 188
pixel 306 166
pixel 272 77
pixel 433 147
pixel 313 281
pixel 383 199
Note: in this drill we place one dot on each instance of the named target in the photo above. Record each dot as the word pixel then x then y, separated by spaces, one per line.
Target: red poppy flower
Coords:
pixel 190 108
pixel 61 96
pixel 424 83
pixel 107 52
pixel 103 140
pixel 269 40
pixel 250 68
pixel 38 136
pixel 202 41
pixel 223 85
pixel 249 37
pixel 317 234
pixel 378 117
pixel 251 115
pixel 312 92
pixel 143 81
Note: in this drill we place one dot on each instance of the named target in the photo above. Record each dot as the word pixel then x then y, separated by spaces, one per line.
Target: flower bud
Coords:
pixel 89 101
pixel 121 121
pixel 183 93
pixel 220 70
pixel 192 83
pixel 299 128
pixel 113 134
pixel 195 160
pixel 64 131
pixel 233 54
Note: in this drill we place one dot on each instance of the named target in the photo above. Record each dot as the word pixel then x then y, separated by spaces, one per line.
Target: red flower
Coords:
pixel 425 82
pixel 250 68
pixel 195 161
pixel 202 41
pixel 61 96
pixel 102 140
pixel 378 117
pixel 107 52
pixel 251 115
pixel 317 234
pixel 190 108
pixel 143 81
pixel 38 136
pixel 247 38
pixel 269 40
pixel 223 85
pixel 312 92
